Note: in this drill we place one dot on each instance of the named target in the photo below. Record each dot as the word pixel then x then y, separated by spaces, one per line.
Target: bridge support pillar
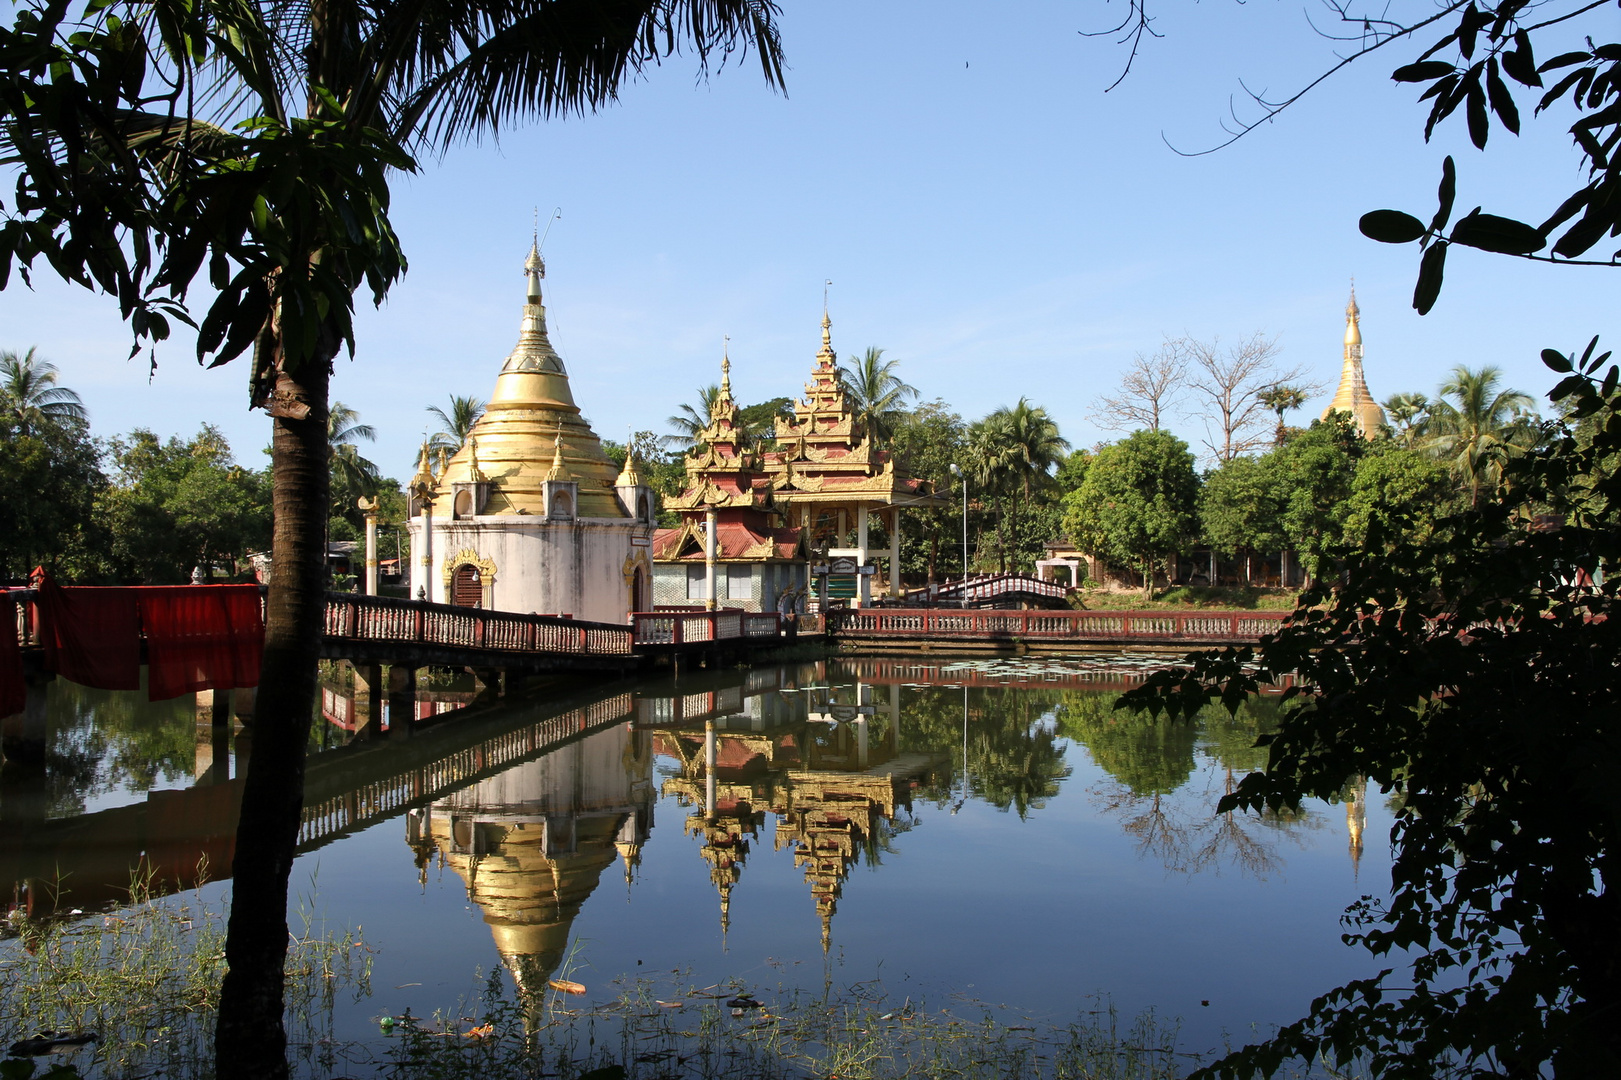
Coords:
pixel 369 698
pixel 243 700
pixel 402 699
pixel 213 763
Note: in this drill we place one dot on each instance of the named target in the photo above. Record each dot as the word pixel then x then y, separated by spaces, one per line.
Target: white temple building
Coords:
pixel 530 515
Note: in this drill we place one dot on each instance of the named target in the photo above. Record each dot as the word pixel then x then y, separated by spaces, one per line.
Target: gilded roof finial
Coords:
pixel 629 476
pixel 558 471
pixel 424 473
pixel 472 461
pixel 726 366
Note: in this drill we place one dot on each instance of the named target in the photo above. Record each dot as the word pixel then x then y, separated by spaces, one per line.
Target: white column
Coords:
pixel 895 552
pixel 709 560
pixel 863 586
pixel 370 507
pixel 425 584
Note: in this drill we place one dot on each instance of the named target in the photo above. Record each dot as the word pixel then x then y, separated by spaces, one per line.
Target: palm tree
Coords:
pixel 1025 446
pixel 352 475
pixel 1281 399
pixel 690 422
pixel 875 393
pixel 991 467
pixel 1478 427
pixel 1406 410
pixel 30 397
pixel 456 424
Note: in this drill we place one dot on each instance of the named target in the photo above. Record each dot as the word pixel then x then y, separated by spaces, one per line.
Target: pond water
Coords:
pixel 983 830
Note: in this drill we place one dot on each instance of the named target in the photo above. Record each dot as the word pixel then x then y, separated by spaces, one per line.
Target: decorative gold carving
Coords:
pixel 636 560
pixel 469 557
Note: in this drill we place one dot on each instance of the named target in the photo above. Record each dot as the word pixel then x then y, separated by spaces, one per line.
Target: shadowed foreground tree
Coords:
pixel 1500 743
pixel 278 185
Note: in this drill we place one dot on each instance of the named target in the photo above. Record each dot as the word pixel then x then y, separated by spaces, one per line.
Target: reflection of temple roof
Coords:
pixel 827 808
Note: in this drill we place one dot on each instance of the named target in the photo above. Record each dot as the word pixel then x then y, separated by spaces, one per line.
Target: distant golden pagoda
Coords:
pixel 1353 397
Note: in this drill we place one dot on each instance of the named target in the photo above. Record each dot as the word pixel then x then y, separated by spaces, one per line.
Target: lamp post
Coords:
pixel 956 470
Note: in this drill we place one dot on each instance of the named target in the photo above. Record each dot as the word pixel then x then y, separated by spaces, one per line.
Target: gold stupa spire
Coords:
pixel 1353 397
pixel 531 410
pixel 559 470
pixel 629 476
pixel 424 474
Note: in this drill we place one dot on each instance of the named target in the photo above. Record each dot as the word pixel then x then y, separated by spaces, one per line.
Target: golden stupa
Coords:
pixel 531 431
pixel 1352 396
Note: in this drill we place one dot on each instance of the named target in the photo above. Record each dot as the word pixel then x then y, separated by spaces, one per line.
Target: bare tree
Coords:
pixel 1148 389
pixel 1233 383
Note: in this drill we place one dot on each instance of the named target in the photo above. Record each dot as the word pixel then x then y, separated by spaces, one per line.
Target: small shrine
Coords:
pixel 530 514
pixel 811 500
pixel 1352 397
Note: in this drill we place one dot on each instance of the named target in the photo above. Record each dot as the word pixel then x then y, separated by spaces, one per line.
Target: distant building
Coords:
pixel 1352 397
pixel 531 515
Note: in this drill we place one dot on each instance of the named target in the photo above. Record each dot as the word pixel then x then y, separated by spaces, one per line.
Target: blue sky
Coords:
pixel 986 212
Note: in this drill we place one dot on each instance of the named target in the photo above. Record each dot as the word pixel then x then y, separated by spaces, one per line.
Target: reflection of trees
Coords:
pixel 106 740
pixel 1015 761
pixel 1150 762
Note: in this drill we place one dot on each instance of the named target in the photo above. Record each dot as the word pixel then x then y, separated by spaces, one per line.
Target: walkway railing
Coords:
pixel 359 618
pixel 690 627
pixel 979 590
pixel 1076 626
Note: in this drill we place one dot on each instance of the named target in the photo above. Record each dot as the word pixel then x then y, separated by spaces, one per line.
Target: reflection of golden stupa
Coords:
pixel 1356 819
pixel 531 843
pixel 1353 397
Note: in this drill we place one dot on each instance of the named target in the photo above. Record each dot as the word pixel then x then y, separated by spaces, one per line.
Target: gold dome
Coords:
pixel 530 426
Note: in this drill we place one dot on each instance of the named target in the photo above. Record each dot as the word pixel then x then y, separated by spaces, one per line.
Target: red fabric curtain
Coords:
pixel 13 691
pixel 201 636
pixel 91 635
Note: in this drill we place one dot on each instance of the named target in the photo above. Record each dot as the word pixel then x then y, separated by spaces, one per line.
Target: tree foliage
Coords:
pixel 1138 504
pixel 1472 670
pixel 52 481
pixel 181 503
pixel 876 395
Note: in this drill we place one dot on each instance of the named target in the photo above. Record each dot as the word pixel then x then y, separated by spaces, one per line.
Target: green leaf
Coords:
pixel 1423 71
pixel 1488 232
pixel 1430 271
pixel 1390 226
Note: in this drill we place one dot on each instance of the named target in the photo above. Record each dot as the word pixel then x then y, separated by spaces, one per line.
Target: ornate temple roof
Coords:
pixel 1353 397
pixel 531 430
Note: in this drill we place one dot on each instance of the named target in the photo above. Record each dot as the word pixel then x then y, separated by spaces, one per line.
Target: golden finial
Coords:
pixel 726 366
pixel 629 476
pixel 424 473
pixel 558 470
pixel 444 461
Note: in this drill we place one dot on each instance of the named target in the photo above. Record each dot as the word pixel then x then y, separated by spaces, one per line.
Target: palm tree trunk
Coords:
pixel 249 1040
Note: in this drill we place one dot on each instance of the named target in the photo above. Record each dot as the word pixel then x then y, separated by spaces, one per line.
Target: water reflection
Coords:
pixel 827 761
pixel 531 843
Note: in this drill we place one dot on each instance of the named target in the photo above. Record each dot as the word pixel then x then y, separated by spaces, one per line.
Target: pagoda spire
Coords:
pixel 558 471
pixel 1352 396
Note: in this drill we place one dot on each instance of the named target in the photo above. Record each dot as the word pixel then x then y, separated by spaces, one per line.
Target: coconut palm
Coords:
pixel 690 422
pixel 992 470
pixel 1477 427
pixel 352 475
pixel 1281 399
pixel 1407 410
pixel 1024 447
pixel 456 424
pixel 30 396
pixel 875 393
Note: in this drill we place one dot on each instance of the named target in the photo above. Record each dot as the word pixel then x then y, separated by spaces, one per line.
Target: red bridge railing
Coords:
pixel 1077 626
